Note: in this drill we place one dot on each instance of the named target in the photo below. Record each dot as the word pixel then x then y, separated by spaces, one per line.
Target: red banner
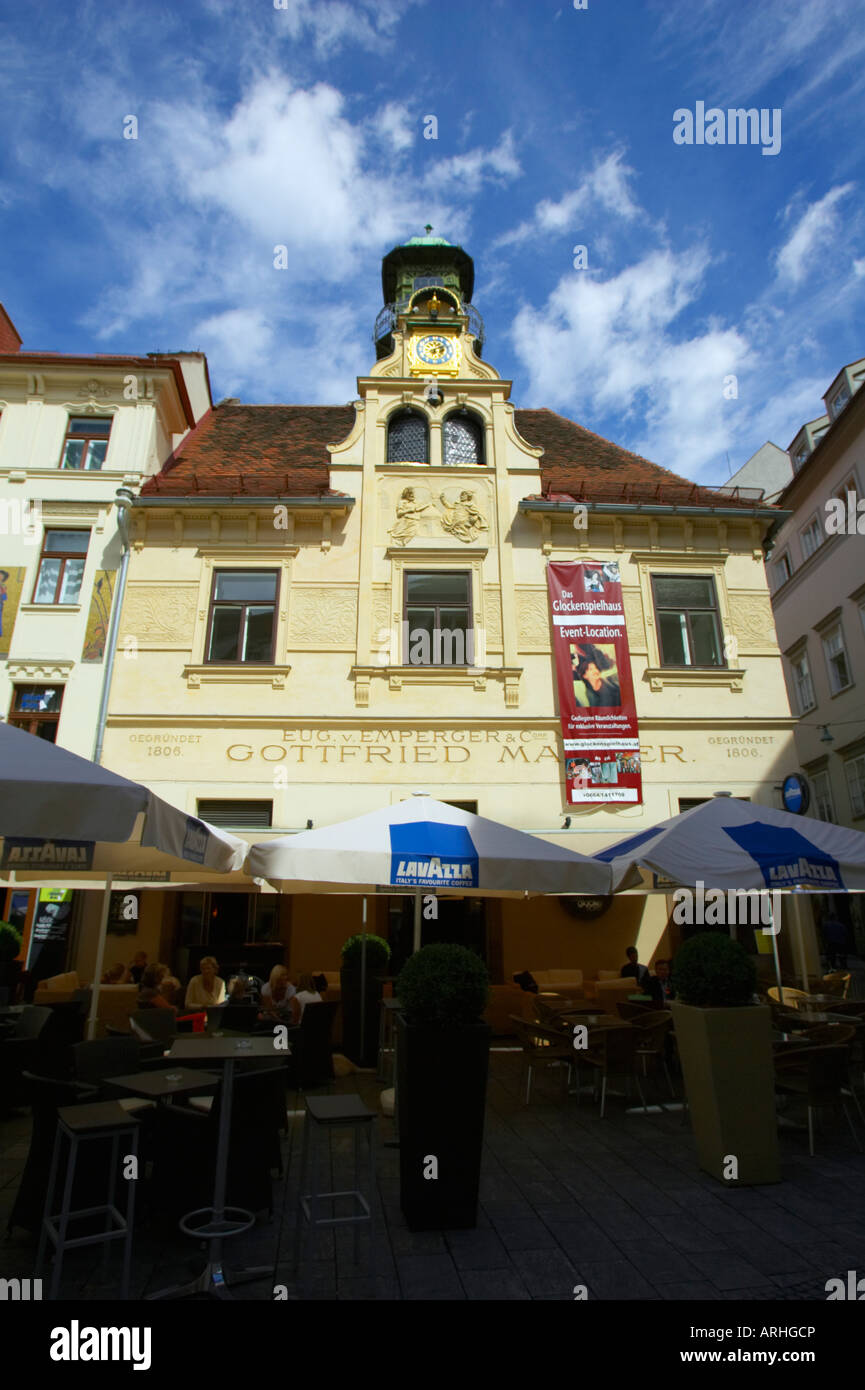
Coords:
pixel 596 692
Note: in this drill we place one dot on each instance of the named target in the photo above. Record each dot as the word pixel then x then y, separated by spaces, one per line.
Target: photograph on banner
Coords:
pixel 600 734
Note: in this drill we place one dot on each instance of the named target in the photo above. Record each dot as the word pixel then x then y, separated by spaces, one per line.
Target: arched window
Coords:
pixel 407 438
pixel 462 439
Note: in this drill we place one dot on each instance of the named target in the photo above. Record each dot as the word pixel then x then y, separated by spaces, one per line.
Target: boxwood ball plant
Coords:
pixel 444 986
pixel 712 971
pixel 377 952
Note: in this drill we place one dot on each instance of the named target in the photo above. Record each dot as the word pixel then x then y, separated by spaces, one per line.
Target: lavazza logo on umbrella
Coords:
pixel 426 855
pixel 46 854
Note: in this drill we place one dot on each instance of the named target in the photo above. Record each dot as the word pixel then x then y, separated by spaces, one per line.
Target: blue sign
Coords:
pixel 195 840
pixel 786 858
pixel 33 855
pixel 425 854
pixel 796 794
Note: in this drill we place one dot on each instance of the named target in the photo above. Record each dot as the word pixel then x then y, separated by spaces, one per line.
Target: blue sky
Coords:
pixel 304 126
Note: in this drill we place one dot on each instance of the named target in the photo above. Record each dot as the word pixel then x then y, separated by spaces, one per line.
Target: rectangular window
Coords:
pixel 61 567
pixel 689 629
pixel 36 709
pixel 86 442
pixel 783 569
pixel 839 400
pixel 437 626
pixel 855 770
pixel 812 537
pixel 243 616
pixel 836 660
pixel 245 814
pixel 802 682
pixel 823 807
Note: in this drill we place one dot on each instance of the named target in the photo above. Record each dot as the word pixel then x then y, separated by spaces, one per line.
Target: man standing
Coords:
pixel 639 972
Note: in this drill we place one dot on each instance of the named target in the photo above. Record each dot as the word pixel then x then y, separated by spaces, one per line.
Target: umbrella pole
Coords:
pixel 776 928
pixel 418 903
pixel 363 985
pixel 100 955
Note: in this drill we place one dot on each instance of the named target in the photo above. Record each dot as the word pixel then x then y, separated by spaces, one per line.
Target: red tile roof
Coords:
pixel 281 451
pixel 268 450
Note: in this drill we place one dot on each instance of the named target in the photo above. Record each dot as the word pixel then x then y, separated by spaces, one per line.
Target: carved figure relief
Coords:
pixel 461 518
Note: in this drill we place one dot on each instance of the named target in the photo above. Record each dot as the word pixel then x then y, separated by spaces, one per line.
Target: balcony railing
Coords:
pixel 386 321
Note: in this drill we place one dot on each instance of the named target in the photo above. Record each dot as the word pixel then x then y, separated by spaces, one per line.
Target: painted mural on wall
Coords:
pixel 11 587
pixel 98 618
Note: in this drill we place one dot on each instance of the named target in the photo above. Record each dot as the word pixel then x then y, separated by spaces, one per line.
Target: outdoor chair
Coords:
pixel 548 1013
pixel 613 1052
pixel 655 1027
pixel 543 1047
pixel 19 1053
pixel 311 1062
pixel 154 1025
pixel 819 1075
pixel 97 1061
pixel 836 982
pixel 791 996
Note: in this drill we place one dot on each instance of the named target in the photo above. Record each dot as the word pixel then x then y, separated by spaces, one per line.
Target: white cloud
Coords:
pixel 606 187
pixel 811 237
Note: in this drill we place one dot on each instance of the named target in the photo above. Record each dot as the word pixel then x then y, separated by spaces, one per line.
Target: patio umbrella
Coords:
pixel 726 843
pixel 62 816
pixel 428 846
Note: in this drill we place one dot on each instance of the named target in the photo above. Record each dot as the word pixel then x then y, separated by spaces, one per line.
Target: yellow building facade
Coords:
pixel 290 568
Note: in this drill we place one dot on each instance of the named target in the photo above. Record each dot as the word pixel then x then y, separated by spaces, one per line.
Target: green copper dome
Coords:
pixel 430 259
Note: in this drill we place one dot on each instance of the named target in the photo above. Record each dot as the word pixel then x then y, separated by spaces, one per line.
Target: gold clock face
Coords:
pixel 434 352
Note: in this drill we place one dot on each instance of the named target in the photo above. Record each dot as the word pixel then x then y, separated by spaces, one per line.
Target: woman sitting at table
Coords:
pixel 277 994
pixel 206 990
pixel 171 991
pixel 149 995
pixel 306 994
pixel 114 975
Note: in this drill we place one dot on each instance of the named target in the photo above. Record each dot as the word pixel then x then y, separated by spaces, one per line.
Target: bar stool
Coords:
pixel 325 1113
pixel 78 1124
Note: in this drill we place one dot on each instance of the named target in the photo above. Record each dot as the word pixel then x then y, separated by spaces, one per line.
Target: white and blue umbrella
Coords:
pixel 63 818
pixel 727 843
pixel 730 844
pixel 428 846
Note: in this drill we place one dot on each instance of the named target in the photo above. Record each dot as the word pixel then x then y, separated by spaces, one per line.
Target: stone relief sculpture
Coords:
pixel 408 512
pixel 462 519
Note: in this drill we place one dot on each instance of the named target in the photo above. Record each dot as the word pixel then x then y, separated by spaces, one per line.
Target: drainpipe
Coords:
pixel 125 497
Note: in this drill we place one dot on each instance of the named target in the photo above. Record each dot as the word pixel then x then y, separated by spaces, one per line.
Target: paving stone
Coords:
pixel 547 1273
pixel 728 1271
pixel 493 1285
pixel 584 1240
pixel 525 1234
pixel 686 1292
pixel 658 1262
pixel 428 1276
pixel 615 1279
pixel 477 1250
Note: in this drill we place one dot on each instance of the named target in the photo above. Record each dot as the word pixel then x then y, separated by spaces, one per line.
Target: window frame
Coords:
pixel 63 556
pixel 784 562
pixel 233 603
pixel 825 635
pixel 802 656
pixel 721 665
pixel 437 665
pixel 804 530
pixel 815 782
pixel 29 720
pixel 471 417
pixel 87 438
pixel 393 419
pixel 849 765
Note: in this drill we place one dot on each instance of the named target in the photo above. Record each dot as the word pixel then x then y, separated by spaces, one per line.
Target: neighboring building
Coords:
pixel 817 577
pixel 73 430
pixel 770 469
pixel 281 550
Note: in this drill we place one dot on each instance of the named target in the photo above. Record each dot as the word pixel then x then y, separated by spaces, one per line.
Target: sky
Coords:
pixel 721 288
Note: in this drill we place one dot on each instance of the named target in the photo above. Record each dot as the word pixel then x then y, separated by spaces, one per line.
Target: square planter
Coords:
pixel 726 1057
pixel 441 1098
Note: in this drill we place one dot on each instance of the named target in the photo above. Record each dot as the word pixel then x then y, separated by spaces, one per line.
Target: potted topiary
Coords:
pixel 442 1063
pixel 725 1047
pixel 10 968
pixel 363 1050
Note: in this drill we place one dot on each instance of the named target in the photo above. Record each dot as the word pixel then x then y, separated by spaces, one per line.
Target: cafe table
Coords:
pixel 224 1221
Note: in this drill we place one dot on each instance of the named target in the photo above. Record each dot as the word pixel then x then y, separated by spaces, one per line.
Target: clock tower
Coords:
pixel 427 286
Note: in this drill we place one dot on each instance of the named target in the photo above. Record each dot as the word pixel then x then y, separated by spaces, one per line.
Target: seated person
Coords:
pixel 206 990
pixel 660 985
pixel 276 995
pixel 138 967
pixel 306 993
pixel 638 972
pixel 149 996
pixel 114 975
pixel 237 991
pixel 171 990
